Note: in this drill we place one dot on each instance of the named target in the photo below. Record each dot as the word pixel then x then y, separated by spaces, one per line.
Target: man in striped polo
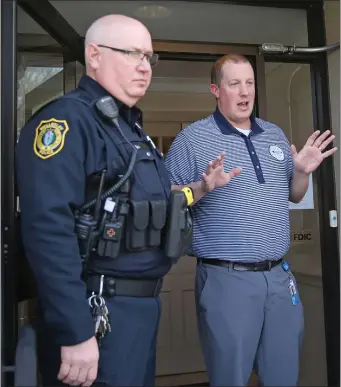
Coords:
pixel 248 308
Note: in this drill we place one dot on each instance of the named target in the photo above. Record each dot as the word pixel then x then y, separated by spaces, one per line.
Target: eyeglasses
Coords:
pixel 137 56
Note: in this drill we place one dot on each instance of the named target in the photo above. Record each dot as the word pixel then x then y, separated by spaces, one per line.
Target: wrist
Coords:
pixel 301 174
pixel 204 187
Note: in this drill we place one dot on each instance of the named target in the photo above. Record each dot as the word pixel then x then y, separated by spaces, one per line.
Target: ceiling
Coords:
pixel 189 21
pixel 186 21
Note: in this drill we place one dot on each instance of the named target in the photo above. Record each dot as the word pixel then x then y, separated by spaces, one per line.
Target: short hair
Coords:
pixel 217 73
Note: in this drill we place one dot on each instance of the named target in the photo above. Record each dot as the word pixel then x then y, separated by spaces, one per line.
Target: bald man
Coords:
pixel 99 264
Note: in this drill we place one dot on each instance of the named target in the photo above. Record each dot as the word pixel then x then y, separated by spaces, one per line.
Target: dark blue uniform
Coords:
pixel 59 149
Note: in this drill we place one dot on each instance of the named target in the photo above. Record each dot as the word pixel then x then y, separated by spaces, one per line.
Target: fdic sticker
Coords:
pixel 49 138
pixel 304 236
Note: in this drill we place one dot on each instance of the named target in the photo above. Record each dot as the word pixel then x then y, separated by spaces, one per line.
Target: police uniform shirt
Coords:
pixel 61 146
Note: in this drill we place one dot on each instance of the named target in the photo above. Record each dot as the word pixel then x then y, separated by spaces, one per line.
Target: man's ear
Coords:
pixel 214 90
pixel 93 55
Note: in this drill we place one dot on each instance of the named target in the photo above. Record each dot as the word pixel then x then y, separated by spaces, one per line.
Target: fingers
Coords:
pixel 72 376
pixel 67 373
pixel 293 150
pixel 318 141
pixel 312 138
pixel 64 371
pixel 219 161
pixel 75 376
pixel 82 376
pixel 91 376
pixel 235 172
pixel 326 142
pixel 329 152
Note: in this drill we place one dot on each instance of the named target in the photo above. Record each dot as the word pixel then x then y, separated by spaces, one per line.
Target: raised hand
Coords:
pixel 215 176
pixel 311 155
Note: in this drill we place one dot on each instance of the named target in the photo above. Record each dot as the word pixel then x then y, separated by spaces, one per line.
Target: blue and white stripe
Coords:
pixel 245 220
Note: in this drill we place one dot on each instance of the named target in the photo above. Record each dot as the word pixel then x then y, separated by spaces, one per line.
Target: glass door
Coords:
pixel 291 103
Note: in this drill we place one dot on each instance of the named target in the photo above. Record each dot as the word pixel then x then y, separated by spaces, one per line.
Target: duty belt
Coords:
pixel 242 266
pixel 128 287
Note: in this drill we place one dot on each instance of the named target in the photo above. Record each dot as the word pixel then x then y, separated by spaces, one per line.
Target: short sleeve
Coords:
pixel 180 161
pixel 50 159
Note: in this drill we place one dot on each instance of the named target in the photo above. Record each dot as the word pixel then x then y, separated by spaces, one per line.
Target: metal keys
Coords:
pixel 100 313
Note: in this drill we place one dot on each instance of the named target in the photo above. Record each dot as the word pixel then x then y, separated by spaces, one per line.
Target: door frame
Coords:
pixel 43 12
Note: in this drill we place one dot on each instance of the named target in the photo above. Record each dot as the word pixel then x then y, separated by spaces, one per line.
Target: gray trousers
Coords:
pixel 247 319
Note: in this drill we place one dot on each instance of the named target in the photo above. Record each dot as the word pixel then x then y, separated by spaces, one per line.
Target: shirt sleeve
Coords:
pixel 50 159
pixel 180 162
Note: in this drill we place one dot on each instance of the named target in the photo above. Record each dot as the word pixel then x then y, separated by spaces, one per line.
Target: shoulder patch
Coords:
pixel 49 137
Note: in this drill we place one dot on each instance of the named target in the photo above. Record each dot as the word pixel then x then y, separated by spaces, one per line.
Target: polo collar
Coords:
pixel 227 128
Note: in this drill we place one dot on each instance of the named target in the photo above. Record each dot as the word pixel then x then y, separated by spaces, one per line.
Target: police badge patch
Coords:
pixel 49 138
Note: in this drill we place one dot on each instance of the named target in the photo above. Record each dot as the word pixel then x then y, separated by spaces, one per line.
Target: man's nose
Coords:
pixel 243 90
pixel 144 65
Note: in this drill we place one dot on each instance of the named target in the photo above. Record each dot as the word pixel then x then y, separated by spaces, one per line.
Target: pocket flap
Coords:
pixel 158 213
pixel 140 214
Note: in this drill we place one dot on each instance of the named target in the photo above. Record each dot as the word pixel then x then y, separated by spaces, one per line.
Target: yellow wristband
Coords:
pixel 189 195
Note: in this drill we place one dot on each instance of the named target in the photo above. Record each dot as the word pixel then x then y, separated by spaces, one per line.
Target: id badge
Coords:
pixel 292 287
pixel 293 292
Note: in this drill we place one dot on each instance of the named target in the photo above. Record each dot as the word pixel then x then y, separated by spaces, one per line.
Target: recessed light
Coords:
pixel 153 11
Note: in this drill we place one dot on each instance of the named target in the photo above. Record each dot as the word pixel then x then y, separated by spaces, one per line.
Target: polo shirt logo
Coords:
pixel 276 152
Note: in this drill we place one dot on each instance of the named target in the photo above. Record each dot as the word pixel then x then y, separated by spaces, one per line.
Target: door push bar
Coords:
pixel 278 48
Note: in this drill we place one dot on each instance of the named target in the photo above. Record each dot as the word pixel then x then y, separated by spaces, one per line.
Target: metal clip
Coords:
pixel 101 286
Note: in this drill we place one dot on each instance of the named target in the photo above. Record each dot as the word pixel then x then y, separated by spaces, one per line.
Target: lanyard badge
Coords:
pixel 292 287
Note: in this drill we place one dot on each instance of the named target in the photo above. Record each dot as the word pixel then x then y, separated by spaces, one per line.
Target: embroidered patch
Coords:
pixel 49 138
pixel 276 152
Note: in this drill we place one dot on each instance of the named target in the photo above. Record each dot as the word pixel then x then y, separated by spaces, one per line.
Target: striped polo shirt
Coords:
pixel 247 220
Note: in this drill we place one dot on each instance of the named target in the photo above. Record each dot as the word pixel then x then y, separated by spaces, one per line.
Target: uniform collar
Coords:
pixel 130 115
pixel 226 128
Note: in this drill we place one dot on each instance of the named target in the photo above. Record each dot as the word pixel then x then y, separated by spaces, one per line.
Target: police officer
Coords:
pixel 85 164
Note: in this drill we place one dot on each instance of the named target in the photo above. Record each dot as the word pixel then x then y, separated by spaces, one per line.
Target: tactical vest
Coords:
pixel 142 214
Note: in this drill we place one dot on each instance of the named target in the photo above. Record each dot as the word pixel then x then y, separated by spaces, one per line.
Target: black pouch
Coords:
pixel 179 227
pixel 137 225
pixel 158 215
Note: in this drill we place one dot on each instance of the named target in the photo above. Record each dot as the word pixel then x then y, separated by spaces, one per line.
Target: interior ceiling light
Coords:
pixel 153 11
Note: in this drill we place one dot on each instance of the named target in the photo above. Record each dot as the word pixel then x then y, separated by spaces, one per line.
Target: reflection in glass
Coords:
pixel 39 73
pixel 37 85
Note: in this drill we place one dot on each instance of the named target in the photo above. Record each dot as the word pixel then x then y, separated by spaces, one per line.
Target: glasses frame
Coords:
pixel 151 58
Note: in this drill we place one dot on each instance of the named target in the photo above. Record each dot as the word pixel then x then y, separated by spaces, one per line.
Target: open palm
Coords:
pixel 312 155
pixel 215 176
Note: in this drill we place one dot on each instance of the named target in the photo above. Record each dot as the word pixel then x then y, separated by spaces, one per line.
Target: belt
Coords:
pixel 241 266
pixel 126 287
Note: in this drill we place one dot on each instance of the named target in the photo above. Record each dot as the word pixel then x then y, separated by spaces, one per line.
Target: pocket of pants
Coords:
pixel 202 283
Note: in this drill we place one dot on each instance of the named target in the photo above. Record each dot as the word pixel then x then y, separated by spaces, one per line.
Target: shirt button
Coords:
pixel 257 167
pixel 148 153
pixel 253 153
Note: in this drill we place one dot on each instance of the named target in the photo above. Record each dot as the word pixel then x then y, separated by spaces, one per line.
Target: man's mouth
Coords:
pixel 243 105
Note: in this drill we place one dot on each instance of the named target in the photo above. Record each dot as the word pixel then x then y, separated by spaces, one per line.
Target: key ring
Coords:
pixel 97 299
pixel 93 295
pixel 98 304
